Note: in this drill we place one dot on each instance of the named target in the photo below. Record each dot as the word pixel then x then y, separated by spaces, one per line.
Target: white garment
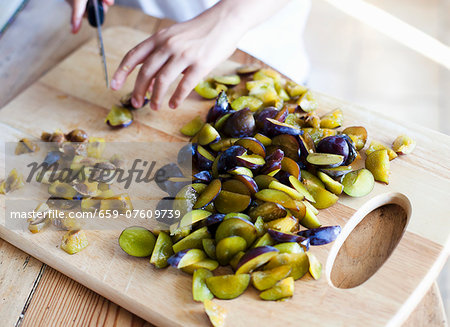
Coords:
pixel 277 42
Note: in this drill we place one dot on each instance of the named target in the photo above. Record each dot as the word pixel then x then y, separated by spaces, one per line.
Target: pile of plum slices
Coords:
pixel 264 165
pixel 78 177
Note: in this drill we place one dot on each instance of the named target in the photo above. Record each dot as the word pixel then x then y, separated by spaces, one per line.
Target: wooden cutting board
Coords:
pixel 73 95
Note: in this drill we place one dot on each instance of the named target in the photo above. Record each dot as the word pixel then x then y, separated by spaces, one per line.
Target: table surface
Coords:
pixel 32 293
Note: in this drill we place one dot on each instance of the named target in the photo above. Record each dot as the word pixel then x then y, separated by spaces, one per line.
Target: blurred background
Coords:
pixel 356 62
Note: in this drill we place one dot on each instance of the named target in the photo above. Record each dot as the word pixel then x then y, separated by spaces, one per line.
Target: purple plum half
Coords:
pixel 274 127
pixel 321 235
pixel 163 175
pixel 186 154
pixel 335 144
pixel 260 117
pixel 281 237
pixel 186 257
pixel 220 108
pixel 228 159
pixel 240 124
pixel 202 177
pixel 255 258
pixel 352 153
pixel 213 221
pixel 273 162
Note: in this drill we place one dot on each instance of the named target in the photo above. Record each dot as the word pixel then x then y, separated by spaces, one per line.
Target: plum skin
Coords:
pixel 240 124
pixel 335 144
pixel 321 235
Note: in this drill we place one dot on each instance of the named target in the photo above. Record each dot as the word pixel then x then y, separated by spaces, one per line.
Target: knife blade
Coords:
pixel 96 18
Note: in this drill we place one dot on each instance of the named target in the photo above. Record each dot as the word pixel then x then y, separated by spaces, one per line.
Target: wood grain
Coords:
pixel 18 274
pixel 60 301
pixel 429 312
pixel 369 245
pixel 70 285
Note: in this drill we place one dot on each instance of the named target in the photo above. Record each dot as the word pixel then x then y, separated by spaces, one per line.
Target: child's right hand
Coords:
pixel 78 9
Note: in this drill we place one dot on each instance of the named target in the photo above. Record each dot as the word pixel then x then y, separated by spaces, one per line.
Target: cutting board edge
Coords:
pixel 121 299
pixel 414 299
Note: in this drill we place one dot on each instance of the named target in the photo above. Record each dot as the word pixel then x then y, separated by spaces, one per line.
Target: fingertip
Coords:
pixel 154 106
pixel 76 26
pixel 115 85
pixel 173 103
pixel 135 102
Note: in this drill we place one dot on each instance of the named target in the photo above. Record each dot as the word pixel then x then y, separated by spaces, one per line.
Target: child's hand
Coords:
pixel 78 9
pixel 191 48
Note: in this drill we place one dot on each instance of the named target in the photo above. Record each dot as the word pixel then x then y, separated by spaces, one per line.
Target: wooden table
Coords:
pixel 32 293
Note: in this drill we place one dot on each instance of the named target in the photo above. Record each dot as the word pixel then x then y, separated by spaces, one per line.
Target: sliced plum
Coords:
pixel 240 124
pixel 208 264
pixel 321 235
pixel 332 119
pixel 162 250
pixel 247 69
pixel 378 164
pixel 192 127
pixel 315 267
pixel 268 211
pixel 186 257
pixel 358 183
pixel 325 159
pixel 285 225
pixel 73 241
pixel 220 108
pixel 228 247
pixel 307 102
pixel 274 127
pixel 201 292
pixel 337 172
pixel 358 134
pixel 236 227
pixel 323 198
pixel 265 279
pixel 273 163
pixel 255 258
pixel 293 193
pixel 246 102
pixel 229 80
pixel 276 196
pixel 227 287
pixel 336 144
pixel 207 135
pixel 193 240
pixel 288 144
pixel 206 90
pixel 403 144
pixel 289 247
pixel 209 194
pixel 248 182
pixel 375 146
pixel 227 160
pixel 119 117
pixel 330 184
pixel 236 186
pixel 137 241
pixel 228 202
pixel 297 261
pixel 300 188
pixel 252 145
pixel 281 290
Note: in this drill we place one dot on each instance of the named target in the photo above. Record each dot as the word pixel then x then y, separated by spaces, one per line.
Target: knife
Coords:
pixel 96 17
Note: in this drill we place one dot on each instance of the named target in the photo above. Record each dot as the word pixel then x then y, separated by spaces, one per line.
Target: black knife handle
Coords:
pixel 90 9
